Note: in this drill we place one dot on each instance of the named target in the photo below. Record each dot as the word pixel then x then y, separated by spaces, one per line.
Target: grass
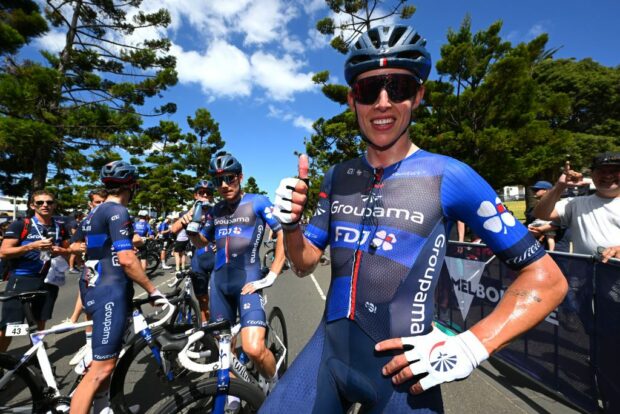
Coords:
pixel 518 208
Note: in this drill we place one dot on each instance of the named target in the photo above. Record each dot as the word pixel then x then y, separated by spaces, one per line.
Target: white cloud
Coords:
pixel 288 116
pixel 311 6
pixel 224 70
pixel 280 76
pixel 536 30
pixel 265 21
pixel 54 41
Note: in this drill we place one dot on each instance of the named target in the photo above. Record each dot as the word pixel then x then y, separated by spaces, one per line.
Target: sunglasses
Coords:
pixel 204 192
pixel 41 202
pixel 228 179
pixel 399 87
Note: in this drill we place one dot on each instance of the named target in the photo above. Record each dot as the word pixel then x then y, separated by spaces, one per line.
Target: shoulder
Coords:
pixel 15 229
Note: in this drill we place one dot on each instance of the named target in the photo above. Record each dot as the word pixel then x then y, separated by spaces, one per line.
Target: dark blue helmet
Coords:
pixel 389 47
pixel 117 173
pixel 204 184
pixel 224 164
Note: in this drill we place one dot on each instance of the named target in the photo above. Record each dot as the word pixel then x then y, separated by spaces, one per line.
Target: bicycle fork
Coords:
pixel 223 376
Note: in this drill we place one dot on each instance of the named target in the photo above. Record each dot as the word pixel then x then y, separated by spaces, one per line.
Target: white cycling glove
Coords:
pixel 445 358
pixel 265 282
pixel 282 204
pixel 158 298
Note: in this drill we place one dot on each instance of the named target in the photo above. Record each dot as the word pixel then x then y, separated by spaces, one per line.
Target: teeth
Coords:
pixel 383 121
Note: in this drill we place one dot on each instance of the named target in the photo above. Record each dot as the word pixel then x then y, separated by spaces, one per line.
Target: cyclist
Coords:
pixel 106 284
pixel 385 216
pixel 203 258
pixel 143 229
pixel 29 245
pixel 237 225
pixel 164 233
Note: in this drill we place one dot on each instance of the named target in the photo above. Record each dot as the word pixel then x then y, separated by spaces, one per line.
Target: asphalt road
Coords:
pixel 490 389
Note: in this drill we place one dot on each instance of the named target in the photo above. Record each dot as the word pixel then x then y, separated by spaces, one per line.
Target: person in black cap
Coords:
pixel 594 218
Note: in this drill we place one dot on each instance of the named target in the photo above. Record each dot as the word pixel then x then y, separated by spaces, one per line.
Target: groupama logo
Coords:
pixel 499 219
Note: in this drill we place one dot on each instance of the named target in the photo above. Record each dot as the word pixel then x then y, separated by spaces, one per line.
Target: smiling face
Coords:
pixel 607 180
pixel 384 121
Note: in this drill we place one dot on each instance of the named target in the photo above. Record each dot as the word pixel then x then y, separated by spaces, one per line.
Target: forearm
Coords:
pixel 134 271
pixel 304 256
pixel 546 205
pixel 14 252
pixel 538 290
pixel 198 240
pixel 177 226
pixel 279 257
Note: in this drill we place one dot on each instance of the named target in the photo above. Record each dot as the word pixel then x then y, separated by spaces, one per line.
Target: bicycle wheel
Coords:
pixel 268 258
pixel 152 262
pixel 277 330
pixel 24 391
pixel 200 398
pixel 138 383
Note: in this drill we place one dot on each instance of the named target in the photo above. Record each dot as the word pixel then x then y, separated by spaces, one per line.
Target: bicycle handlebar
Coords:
pixel 166 317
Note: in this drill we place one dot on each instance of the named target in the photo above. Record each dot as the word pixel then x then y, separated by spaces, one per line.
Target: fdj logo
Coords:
pixel 350 235
pixel 229 231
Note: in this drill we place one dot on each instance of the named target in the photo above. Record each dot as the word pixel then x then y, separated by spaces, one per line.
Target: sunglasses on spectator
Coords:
pixel 204 192
pixel 41 202
pixel 399 87
pixel 228 179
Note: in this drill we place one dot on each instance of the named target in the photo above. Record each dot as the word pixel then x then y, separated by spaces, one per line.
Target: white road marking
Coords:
pixel 156 286
pixel 321 294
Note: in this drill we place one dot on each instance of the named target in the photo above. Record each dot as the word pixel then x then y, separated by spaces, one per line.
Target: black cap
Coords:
pixel 606 158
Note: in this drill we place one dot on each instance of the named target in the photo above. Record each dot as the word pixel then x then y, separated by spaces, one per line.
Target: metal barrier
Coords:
pixel 575 351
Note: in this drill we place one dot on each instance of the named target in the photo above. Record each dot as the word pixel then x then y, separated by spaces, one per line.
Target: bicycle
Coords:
pixel 270 255
pixel 28 389
pixel 248 385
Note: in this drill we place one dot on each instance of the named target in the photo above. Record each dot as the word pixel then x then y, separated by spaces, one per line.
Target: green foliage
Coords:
pixel 251 187
pixel 20 21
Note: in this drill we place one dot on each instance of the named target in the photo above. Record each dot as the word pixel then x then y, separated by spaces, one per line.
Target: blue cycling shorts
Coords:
pixel 108 306
pixel 226 300
pixel 203 262
pixel 338 368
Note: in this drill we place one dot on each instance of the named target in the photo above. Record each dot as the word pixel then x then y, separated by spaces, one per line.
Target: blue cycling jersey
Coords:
pixel 163 226
pixel 238 230
pixel 142 228
pixel 387 231
pixel 30 262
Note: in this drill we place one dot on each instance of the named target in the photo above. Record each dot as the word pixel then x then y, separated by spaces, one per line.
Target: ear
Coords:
pixel 351 101
pixel 418 97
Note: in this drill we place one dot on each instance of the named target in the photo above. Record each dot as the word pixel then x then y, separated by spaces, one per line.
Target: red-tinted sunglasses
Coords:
pixel 399 87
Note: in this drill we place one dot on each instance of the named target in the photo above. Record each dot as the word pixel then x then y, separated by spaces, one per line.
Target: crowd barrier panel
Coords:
pixel 574 352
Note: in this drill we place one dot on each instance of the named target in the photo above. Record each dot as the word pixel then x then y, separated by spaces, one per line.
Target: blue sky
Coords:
pixel 250 62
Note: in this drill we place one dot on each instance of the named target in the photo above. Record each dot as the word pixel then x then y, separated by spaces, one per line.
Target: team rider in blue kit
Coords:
pixel 106 285
pixel 237 225
pixel 385 216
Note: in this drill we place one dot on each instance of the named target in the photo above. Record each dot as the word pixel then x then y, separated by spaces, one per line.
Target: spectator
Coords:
pixel 164 233
pixel 30 244
pixel 143 229
pixel 539 189
pixel 594 219
pixel 72 227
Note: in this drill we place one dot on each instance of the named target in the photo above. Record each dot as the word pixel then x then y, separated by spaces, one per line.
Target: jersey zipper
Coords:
pixel 356 269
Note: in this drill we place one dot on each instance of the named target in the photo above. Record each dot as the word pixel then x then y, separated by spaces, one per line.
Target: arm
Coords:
pixel 545 209
pixel 132 268
pixel 304 256
pixel 11 249
pixel 460 230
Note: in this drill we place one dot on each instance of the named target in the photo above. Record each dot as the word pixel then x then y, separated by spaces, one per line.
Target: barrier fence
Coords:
pixel 575 351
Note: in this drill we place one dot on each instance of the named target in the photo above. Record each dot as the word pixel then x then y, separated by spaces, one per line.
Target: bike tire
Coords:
pixel 199 398
pixel 138 383
pixel 277 325
pixel 152 262
pixel 268 258
pixel 24 391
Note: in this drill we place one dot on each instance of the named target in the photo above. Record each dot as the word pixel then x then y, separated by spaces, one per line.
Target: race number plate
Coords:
pixel 16 329
pixel 139 323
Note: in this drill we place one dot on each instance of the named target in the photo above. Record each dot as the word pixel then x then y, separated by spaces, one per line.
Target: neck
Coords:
pixel 608 194
pixel 47 219
pixel 399 151
pixel 120 199
pixel 236 199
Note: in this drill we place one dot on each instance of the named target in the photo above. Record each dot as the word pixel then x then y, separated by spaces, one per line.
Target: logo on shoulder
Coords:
pixel 498 217
pixel 115 217
pixel 269 212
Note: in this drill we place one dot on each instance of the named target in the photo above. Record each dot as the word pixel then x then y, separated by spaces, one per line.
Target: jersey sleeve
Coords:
pixel 121 229
pixel 14 230
pixel 149 230
pixel 208 230
pixel 317 231
pixel 78 236
pixel 469 198
pixel 263 207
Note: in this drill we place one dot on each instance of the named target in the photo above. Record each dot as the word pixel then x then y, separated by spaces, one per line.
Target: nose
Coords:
pixel 383 101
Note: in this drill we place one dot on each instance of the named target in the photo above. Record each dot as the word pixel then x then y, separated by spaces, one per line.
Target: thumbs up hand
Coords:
pixel 291 196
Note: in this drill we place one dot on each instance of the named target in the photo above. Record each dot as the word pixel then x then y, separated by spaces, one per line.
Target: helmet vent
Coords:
pixel 397 33
pixel 374 38
pixel 415 39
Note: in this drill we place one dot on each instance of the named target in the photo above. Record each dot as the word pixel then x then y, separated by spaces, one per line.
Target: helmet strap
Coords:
pixel 392 141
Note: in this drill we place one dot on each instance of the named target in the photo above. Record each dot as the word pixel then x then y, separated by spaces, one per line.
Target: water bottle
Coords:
pixel 193 227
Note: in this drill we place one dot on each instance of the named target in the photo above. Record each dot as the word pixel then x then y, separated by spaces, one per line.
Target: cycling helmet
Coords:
pixel 224 164
pixel 118 173
pixel 388 47
pixel 204 184
pixel 143 213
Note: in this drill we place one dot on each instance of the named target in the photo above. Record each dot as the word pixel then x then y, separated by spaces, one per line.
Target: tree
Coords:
pixel 251 187
pixel 357 17
pixel 20 21
pixel 205 143
pixel 87 95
